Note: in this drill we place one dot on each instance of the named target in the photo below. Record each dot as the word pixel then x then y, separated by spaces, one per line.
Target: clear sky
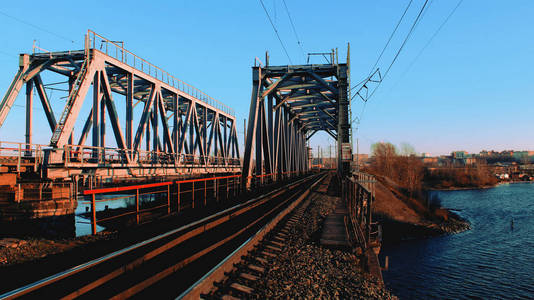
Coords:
pixel 471 89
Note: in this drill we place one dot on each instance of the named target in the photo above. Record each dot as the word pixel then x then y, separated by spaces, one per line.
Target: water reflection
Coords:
pixel 490 261
pixel 103 203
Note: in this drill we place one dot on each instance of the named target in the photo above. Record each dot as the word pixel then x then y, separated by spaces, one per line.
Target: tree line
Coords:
pixel 409 172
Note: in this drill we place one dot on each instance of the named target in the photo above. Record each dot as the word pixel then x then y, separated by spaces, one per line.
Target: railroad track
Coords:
pixel 169 263
pixel 235 277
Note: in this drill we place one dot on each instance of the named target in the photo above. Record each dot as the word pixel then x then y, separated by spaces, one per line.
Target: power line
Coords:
pixel 404 42
pixel 391 35
pixel 400 49
pixel 394 59
pixel 8 54
pixel 294 30
pixel 276 31
pixel 37 27
pixel 432 38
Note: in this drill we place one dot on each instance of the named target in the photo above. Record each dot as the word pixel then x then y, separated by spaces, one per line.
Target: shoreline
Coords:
pixel 457 188
pixel 396 232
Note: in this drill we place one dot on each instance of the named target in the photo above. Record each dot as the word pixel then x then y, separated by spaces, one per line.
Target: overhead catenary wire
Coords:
pixel 36 27
pixel 276 32
pixel 299 42
pixel 391 36
pixel 416 21
pixel 401 47
pixel 429 41
pixel 8 54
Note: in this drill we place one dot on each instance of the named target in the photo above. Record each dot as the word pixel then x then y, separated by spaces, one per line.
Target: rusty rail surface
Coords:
pixel 218 273
pixel 151 248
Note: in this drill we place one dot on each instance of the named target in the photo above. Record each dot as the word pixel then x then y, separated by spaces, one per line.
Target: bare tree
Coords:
pixel 407 150
pixel 384 155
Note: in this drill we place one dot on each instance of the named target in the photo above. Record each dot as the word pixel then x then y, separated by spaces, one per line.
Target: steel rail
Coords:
pixel 218 272
pixel 175 267
pixel 211 221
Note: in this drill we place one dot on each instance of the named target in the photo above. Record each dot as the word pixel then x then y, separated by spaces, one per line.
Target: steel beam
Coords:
pixel 194 115
pixel 45 102
pixel 129 110
pixel 29 114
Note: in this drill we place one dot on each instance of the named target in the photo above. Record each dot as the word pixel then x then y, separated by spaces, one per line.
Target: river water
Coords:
pixel 493 260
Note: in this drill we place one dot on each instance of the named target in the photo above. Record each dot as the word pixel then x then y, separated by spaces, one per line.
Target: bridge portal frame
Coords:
pixel 289 104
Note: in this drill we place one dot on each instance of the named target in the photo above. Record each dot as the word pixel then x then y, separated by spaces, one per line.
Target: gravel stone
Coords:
pixel 306 270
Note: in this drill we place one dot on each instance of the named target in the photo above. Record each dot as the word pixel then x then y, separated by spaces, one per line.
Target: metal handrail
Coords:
pixel 142 65
pixel 83 153
pixel 360 211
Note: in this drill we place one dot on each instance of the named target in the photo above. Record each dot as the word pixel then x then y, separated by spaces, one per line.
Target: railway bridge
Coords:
pixel 161 126
pixel 171 128
pixel 174 141
pixel 174 155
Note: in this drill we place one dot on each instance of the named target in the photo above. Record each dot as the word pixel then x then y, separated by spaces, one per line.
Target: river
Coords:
pixel 493 260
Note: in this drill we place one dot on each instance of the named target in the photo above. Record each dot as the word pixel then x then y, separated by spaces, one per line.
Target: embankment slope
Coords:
pixel 403 217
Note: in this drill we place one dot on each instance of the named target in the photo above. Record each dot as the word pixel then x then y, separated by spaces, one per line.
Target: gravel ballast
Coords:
pixel 305 269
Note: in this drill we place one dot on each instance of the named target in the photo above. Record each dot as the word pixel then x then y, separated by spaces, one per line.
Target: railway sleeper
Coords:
pixel 273 248
pixel 268 254
pixel 256 268
pixel 262 261
pixel 278 239
pixel 239 276
pixel 255 259
pixel 242 289
pixel 277 244
pixel 232 287
pixel 228 297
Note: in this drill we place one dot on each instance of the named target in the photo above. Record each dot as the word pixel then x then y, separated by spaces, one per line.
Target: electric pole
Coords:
pixel 330 156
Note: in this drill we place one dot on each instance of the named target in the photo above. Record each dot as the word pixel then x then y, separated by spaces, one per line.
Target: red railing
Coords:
pixel 180 195
pixel 179 189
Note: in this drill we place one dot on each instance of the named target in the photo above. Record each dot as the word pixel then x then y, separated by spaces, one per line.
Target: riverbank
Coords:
pixel 463 188
pixel 405 218
pixel 493 260
pixel 458 188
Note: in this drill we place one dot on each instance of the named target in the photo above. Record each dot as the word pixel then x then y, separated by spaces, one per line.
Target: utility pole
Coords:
pixel 358 154
pixel 330 156
pixel 318 154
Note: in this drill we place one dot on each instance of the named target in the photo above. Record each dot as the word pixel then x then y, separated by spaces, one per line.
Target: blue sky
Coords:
pixel 471 89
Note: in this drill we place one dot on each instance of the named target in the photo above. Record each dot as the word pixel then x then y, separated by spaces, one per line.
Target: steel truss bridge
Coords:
pixel 289 105
pixel 182 129
pixel 177 129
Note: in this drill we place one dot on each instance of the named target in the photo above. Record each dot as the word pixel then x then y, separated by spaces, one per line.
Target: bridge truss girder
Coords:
pixel 176 125
pixel 290 104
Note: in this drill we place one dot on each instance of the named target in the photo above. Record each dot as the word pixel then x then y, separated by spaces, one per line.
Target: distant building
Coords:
pixel 470 161
pixel 459 154
pixel 360 157
pixel 445 160
pixel 520 155
pixel 429 160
